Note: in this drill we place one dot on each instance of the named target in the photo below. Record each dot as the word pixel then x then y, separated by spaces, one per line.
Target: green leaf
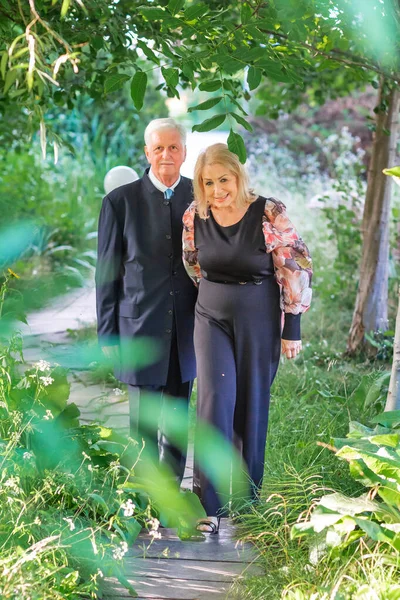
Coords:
pixel 64 7
pixel 148 52
pixel 348 506
pixel 387 439
pixel 3 64
pixel 245 14
pixel 174 6
pixel 241 121
pixel 254 77
pixel 153 13
pixel 10 79
pixel 115 82
pixel 376 531
pixel 99 500
pixel 196 11
pixel 210 124
pixel 138 89
pixel 236 145
pixel 390 417
pixel 171 76
pixel 210 86
pixel 395 172
pixel 228 63
pixel 206 105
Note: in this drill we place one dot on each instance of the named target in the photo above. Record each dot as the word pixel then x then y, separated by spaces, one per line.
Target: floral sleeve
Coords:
pixel 189 249
pixel 292 261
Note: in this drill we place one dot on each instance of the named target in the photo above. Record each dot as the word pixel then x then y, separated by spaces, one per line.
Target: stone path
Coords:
pixel 166 568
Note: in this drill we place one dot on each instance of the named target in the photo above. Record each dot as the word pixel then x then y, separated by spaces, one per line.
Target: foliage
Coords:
pixel 50 52
pixel 343 525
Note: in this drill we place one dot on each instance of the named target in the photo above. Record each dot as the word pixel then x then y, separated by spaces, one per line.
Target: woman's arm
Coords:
pixel 189 255
pixel 292 263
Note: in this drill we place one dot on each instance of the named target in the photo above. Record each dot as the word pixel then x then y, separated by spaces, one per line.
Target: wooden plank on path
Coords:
pixel 189 569
pixel 170 589
pixel 171 569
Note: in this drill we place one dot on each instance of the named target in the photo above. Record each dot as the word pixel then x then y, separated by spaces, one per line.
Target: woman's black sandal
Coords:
pixel 207 525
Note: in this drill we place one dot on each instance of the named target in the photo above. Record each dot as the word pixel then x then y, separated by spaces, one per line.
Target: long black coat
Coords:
pixel 141 285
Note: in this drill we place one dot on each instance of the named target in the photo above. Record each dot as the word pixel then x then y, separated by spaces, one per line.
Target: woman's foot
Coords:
pixel 208 525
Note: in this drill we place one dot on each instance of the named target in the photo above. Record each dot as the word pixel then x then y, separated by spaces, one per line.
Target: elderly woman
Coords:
pixel 252 268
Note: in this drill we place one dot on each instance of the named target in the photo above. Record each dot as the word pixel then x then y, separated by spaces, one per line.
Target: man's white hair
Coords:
pixel 160 124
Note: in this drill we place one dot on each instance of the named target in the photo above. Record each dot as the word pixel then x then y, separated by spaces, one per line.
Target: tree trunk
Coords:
pixel 393 397
pixel 370 313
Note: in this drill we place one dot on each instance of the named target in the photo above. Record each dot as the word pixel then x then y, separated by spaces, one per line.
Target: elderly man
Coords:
pixel 143 290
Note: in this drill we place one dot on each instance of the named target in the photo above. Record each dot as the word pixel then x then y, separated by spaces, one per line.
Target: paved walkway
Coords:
pixel 166 569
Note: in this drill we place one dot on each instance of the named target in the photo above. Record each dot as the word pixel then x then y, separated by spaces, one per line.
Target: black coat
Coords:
pixel 142 287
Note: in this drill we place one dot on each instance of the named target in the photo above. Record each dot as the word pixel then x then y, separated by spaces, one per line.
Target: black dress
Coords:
pixel 237 342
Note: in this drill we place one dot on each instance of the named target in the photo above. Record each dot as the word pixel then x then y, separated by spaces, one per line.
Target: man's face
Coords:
pixel 166 153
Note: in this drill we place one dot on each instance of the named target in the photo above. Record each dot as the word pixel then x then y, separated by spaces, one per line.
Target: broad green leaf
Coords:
pixel 254 77
pixel 196 11
pixel 390 493
pixel 348 506
pixel 171 76
pixel 148 52
pixel 388 439
pixel 383 466
pixel 236 145
pixel 174 6
pixel 206 105
pixel 241 121
pixel 391 417
pixel 376 531
pixel 245 13
pixel 115 82
pixel 210 124
pixel 210 86
pixel 138 89
pixel 357 430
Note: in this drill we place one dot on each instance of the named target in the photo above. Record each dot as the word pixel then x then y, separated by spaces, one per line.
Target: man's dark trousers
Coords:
pixel 152 409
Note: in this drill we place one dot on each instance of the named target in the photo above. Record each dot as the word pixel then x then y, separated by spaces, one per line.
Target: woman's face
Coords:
pixel 220 186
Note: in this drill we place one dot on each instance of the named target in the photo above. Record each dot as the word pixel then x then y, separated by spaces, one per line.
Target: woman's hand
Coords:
pixel 291 348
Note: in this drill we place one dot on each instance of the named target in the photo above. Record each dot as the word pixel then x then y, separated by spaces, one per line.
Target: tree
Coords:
pixel 53 51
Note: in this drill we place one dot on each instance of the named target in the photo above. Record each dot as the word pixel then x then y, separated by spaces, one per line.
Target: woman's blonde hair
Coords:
pixel 219 154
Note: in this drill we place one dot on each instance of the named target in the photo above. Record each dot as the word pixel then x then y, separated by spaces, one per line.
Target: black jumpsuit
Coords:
pixel 237 340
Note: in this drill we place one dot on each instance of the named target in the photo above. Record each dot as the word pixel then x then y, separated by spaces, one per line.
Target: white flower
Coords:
pixel 70 523
pixel 46 380
pixel 90 468
pixel 27 456
pixel 48 416
pixel 156 535
pixel 86 456
pixel 42 365
pixel 100 573
pixel 37 521
pixel 119 552
pixel 128 507
pixel 3 405
pixel 154 524
pixel 118 392
pixel 12 483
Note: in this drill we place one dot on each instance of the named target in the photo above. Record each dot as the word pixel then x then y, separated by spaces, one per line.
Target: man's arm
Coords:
pixel 108 272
